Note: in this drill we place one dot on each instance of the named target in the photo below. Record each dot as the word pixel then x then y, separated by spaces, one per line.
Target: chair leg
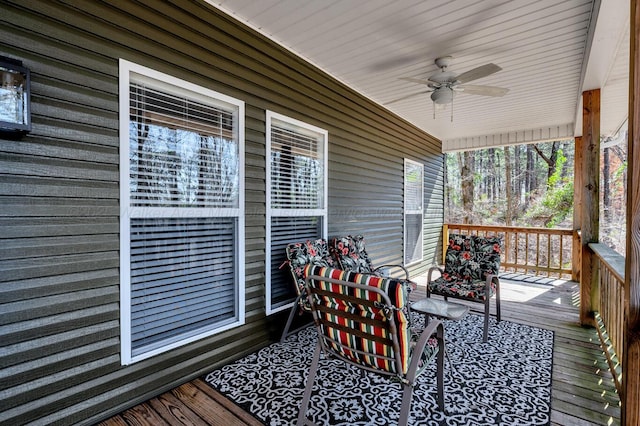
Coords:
pixel 292 314
pixel 485 333
pixel 498 300
pixel 405 408
pixel 302 414
pixel 440 372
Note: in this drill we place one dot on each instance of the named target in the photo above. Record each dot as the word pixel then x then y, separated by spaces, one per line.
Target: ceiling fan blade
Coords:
pixel 407 97
pixel 471 89
pixel 416 80
pixel 479 72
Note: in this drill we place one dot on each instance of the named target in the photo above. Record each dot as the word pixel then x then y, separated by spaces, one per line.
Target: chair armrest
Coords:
pixel 406 273
pixel 435 327
pixel 432 270
pixel 487 284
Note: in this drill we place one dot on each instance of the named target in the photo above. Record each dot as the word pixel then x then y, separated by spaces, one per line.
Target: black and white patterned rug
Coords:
pixel 506 381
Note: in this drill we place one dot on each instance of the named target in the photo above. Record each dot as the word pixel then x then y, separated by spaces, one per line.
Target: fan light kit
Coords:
pixel 444 85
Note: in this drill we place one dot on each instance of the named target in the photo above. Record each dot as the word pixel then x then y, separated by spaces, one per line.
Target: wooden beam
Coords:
pixel 576 247
pixel 590 208
pixel 630 414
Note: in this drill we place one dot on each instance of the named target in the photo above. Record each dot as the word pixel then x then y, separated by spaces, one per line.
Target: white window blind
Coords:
pixel 182 278
pixel 296 168
pixel 285 230
pixel 182 220
pixel 413 211
pixel 182 152
pixel 296 197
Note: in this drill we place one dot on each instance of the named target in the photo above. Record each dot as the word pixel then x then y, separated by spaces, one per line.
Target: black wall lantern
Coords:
pixel 15 97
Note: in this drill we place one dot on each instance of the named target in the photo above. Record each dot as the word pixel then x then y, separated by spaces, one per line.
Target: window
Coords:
pixel 413 208
pixel 182 212
pixel 296 198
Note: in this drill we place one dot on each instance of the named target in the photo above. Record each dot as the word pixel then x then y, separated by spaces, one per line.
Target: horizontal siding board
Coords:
pixel 19 269
pixel 34 349
pixel 60 322
pixel 26 227
pixel 26 372
pixel 59 190
pixel 57 284
pixel 38 187
pixel 29 309
pixel 33 166
pixel 64 147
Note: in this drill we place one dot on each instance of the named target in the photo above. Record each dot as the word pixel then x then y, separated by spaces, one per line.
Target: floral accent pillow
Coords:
pixel 311 252
pixel 351 254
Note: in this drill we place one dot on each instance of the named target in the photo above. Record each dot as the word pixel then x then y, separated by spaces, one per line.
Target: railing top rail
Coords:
pixel 613 260
pixel 523 229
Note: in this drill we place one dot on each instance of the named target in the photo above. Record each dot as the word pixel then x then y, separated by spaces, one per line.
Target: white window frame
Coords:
pixel 408 211
pixel 294 212
pixel 128 212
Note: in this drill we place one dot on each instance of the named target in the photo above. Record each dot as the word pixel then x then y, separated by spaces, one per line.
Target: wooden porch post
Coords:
pixel 577 210
pixel 590 208
pixel 630 414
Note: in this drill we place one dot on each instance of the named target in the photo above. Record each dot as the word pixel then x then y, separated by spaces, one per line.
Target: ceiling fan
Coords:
pixel 444 84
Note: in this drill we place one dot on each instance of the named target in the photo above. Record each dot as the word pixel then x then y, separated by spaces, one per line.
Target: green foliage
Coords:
pixel 529 203
pixel 557 202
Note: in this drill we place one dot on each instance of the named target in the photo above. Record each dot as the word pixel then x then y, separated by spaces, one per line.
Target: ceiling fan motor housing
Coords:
pixel 443 95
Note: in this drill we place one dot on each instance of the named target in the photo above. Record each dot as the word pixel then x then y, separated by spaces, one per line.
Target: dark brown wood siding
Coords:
pixel 59 205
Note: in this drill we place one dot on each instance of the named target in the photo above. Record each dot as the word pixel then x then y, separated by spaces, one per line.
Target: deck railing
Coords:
pixel 549 252
pixel 535 251
pixel 610 308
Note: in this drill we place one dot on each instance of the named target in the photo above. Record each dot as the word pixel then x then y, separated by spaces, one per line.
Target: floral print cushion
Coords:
pixel 474 290
pixel 428 354
pixel 311 252
pixel 468 261
pixel 487 251
pixel 459 260
pixel 352 255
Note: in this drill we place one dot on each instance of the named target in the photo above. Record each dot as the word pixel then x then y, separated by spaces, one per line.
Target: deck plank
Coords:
pixel 583 393
pixel 175 412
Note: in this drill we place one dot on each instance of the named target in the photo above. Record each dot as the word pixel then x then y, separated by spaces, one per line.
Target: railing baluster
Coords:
pixel 610 307
pixel 561 247
pixel 548 255
pixel 537 253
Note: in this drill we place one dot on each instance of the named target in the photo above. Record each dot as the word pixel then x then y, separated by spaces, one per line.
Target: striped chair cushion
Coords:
pixel 398 296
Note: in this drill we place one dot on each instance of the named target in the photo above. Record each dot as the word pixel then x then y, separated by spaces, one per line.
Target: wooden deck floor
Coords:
pixel 583 392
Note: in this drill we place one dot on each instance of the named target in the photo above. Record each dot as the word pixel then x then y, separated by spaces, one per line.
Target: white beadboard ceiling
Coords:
pixel 549 52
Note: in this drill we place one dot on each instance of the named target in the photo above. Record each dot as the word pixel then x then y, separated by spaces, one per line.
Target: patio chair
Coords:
pixel 299 255
pixel 351 255
pixel 470 273
pixel 362 320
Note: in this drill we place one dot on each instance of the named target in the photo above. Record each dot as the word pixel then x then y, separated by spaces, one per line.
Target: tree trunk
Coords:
pixel 491 177
pixel 550 160
pixel 508 171
pixel 466 160
pixel 531 181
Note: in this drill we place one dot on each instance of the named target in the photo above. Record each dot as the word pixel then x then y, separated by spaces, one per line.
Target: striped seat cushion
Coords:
pixel 398 296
